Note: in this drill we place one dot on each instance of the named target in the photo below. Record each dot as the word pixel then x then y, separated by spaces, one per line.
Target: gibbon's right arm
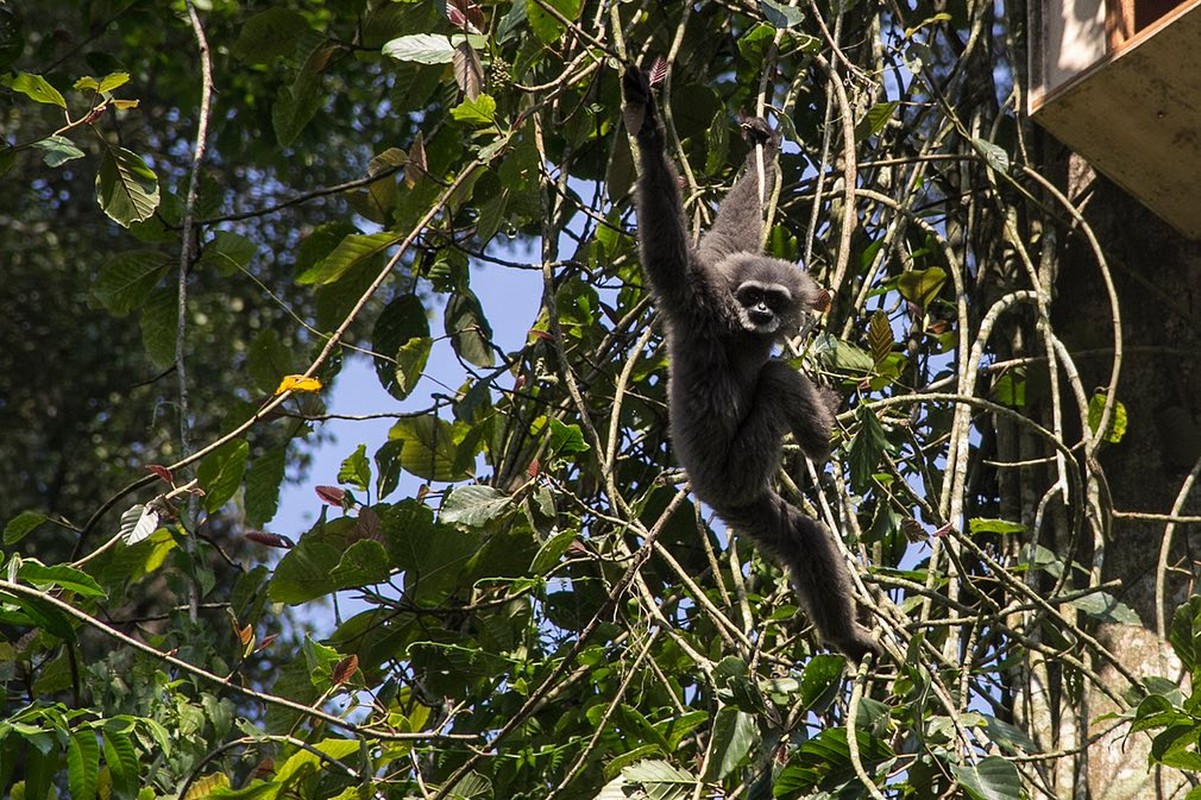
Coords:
pixel 667 255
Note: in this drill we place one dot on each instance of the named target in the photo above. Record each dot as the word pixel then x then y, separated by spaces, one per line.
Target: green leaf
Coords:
pixel 993 778
pixel 61 576
pixel 263 482
pixel 552 550
pixel 297 104
pixel 83 764
pixel 122 760
pixel 566 439
pixel 423 48
pixel 1117 417
pixel 159 321
pixel 126 188
pixel 36 88
pixel 432 555
pixel 363 563
pixel 305 762
pixel 429 448
pixel 921 286
pixel 58 150
pixel 401 343
pixel 1185 632
pixel 779 15
pixel 356 469
pixel 867 447
pixel 269 35
pixel 842 356
pixel 126 280
pixel 1106 608
pixel 994 155
pixel 474 506
pixel 220 474
pixel 659 779
pixel 1001 527
pixel 480 111
pixel 471 335
pixel 352 251
pixel 734 736
pixel 111 81
pixel 228 252
pixel 268 360
pixel 21 526
pixel 821 677
pixel 875 120
pixel 545 26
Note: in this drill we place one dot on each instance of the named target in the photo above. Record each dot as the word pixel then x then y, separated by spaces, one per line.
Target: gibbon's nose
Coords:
pixel 761 314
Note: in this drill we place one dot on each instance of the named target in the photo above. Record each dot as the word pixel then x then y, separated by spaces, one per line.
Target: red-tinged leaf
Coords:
pixel 578 549
pixel 270 539
pixel 332 495
pixel 345 669
pixel 264 769
pixel 245 634
pixel 658 71
pixel 543 335
pixel 366 526
pixel 937 327
pixel 466 14
pixel 533 469
pixel 469 72
pixel 943 531
pixel 822 301
pixel 456 17
pixel 422 492
pixel 519 383
pixel 268 640
pixel 162 472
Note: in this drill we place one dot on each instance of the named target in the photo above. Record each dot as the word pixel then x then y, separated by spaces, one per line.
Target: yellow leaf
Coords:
pixel 298 383
pixel 125 104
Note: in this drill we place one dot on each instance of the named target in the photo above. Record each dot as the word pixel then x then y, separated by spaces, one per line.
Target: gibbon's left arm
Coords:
pixel 739 224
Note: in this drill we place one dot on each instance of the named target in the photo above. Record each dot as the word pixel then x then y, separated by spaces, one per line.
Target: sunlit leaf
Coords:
pixel 126 187
pixel 424 48
pixel 352 251
pixel 546 26
pixel 474 506
pixel 879 336
pixel 1117 417
pixel 921 286
pixel 35 87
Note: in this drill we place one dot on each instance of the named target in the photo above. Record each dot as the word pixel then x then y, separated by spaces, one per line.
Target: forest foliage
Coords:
pixel 213 206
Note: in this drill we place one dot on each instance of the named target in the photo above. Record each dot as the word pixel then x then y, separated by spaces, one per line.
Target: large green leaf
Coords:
pixel 126 187
pixel 83 764
pixel 220 473
pixel 468 328
pixel 993 778
pixel 127 279
pixel 401 342
pixel 429 448
pixel 352 251
pixel 424 48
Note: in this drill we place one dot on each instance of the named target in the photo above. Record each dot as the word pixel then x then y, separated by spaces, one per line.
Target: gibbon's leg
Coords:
pixel 738 227
pixel 807 410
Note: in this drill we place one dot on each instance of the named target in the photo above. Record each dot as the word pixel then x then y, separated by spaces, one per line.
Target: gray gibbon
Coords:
pixel 725 306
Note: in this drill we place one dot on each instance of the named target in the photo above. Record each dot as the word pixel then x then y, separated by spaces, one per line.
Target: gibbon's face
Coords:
pixel 763 308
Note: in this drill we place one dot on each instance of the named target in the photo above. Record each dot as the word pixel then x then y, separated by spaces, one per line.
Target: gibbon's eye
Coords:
pixel 749 295
pixel 778 299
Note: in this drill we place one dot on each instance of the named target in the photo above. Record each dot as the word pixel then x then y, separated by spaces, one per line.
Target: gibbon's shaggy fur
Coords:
pixel 726 305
